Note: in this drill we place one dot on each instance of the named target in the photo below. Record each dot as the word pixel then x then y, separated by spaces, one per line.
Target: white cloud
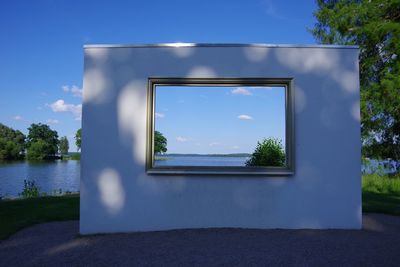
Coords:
pixel 74 90
pixel 61 106
pixel 245 117
pixel 52 121
pixel 182 139
pixel 160 115
pixel 235 147
pixel 265 88
pixel 241 91
pixel 214 144
pixel 249 90
pixel 17 118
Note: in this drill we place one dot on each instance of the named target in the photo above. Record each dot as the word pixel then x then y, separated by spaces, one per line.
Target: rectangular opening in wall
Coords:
pixel 220 126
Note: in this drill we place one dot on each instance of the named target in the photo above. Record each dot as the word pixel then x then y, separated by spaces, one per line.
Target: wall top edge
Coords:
pixel 175 45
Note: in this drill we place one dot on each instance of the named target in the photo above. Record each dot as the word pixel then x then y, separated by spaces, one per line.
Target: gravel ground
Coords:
pixel 58 244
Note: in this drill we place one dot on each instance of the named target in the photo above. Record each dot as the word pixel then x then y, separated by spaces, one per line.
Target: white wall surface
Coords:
pixel 118 196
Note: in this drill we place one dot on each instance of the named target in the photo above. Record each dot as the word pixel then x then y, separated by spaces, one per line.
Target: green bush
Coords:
pixel 12 143
pixel 30 189
pixel 160 143
pixel 42 142
pixel 9 150
pixel 38 150
pixel 269 152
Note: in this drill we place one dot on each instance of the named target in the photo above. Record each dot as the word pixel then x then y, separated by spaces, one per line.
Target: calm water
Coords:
pixel 49 176
pixel 65 175
pixel 201 161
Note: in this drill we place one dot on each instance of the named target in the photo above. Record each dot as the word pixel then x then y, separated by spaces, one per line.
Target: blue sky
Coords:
pixel 41 55
pixel 219 120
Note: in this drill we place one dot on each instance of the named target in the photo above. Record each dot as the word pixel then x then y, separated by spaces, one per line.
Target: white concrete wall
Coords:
pixel 118 196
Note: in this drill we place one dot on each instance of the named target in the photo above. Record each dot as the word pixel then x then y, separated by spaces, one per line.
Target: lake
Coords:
pixel 49 176
pixel 65 174
pixel 200 161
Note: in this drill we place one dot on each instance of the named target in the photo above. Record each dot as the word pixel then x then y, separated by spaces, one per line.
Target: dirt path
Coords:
pixel 57 244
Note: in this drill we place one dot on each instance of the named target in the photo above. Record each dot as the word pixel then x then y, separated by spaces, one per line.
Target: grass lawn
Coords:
pixel 20 213
pixel 380 194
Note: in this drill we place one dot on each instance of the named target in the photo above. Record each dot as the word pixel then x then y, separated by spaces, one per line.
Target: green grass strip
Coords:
pixel 20 213
pixel 381 194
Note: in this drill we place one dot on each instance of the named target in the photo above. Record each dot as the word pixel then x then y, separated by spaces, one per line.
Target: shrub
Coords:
pixel 269 152
pixel 42 142
pixel 12 143
pixel 160 143
pixel 30 189
pixel 38 150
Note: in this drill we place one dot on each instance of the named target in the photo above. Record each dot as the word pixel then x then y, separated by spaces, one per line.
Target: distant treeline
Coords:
pixel 269 152
pixel 207 155
pixel 41 143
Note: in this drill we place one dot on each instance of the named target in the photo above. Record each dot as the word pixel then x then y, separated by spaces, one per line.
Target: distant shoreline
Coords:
pixel 204 155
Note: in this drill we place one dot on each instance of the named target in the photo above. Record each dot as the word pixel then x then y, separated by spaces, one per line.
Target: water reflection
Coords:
pixel 48 175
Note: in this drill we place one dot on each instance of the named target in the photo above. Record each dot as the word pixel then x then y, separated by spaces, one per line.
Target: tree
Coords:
pixel 269 152
pixel 42 142
pixel 63 145
pixel 78 138
pixel 375 27
pixel 160 143
pixel 38 150
pixel 12 143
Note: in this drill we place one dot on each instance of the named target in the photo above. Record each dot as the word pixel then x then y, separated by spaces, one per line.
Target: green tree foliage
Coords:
pixel 160 143
pixel 63 145
pixel 12 143
pixel 42 142
pixel 269 152
pixel 78 138
pixel 38 150
pixel 375 27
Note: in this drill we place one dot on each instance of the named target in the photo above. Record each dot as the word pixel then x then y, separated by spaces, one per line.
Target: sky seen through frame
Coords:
pixel 219 119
